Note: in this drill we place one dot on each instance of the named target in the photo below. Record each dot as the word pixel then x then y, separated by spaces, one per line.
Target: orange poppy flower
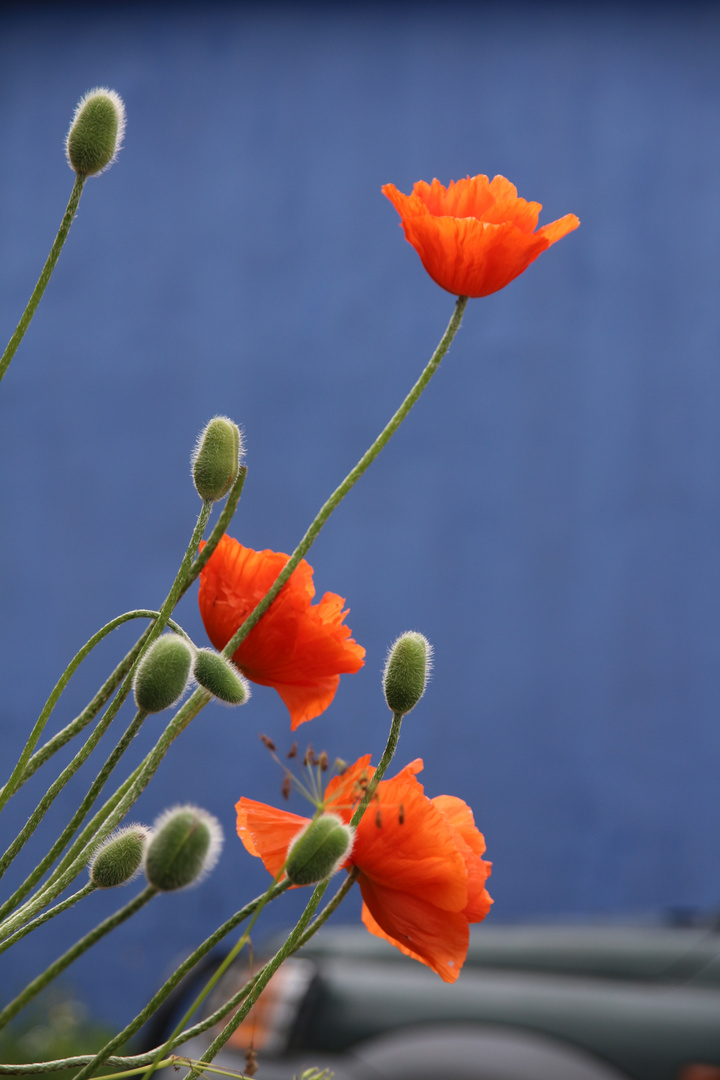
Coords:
pixel 421 874
pixel 476 235
pixel 298 647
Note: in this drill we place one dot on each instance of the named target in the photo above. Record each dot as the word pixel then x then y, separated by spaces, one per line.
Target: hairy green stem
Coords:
pixel 350 480
pixel 14 781
pixel 93 708
pixel 57 910
pixel 377 776
pixel 91 1064
pixel 44 276
pixel 169 985
pixel 300 932
pixel 220 526
pixel 82 811
pixel 154 632
pixel 81 946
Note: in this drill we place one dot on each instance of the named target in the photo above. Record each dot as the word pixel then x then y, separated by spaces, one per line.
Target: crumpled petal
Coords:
pixel 298 647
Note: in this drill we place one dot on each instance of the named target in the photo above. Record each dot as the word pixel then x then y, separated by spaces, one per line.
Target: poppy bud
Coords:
pixel 406 672
pixel 185 846
pixel 318 849
pixel 220 676
pixel 96 132
pixel 163 673
pixel 216 458
pixel 118 858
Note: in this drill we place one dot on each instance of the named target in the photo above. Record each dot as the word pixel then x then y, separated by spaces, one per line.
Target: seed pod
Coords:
pixel 406 672
pixel 318 850
pixel 185 846
pixel 119 857
pixel 162 676
pixel 220 676
pixel 96 132
pixel 216 458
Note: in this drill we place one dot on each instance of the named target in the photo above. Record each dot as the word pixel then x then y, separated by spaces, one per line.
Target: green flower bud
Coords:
pixel 216 458
pixel 119 857
pixel 220 676
pixel 406 672
pixel 318 850
pixel 162 676
pixel 185 846
pixel 96 132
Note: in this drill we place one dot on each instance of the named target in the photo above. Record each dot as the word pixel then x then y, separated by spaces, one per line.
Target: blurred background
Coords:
pixel 549 515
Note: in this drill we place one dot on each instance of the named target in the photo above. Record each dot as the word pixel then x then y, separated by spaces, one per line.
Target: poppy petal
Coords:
pixel 436 937
pixel 403 842
pixel 267 832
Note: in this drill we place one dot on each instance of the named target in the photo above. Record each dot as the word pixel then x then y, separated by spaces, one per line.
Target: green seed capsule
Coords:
pixel 216 458
pixel 96 132
pixel 163 673
pixel 406 672
pixel 184 848
pixel 317 851
pixel 119 857
pixel 220 676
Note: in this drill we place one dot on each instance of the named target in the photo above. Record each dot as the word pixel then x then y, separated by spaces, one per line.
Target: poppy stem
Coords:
pixel 388 754
pixel 51 889
pixel 81 946
pixel 351 479
pixel 169 985
pixel 27 765
pixel 300 934
pixel 47 270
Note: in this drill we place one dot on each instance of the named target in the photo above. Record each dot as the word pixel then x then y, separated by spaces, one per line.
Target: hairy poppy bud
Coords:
pixel 318 850
pixel 118 858
pixel 96 132
pixel 406 672
pixel 220 676
pixel 216 458
pixel 163 673
pixel 185 846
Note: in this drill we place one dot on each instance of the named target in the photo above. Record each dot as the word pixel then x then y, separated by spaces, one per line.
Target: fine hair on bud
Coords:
pixel 318 850
pixel 96 132
pixel 118 859
pixel 406 672
pixel 220 676
pixel 185 846
pixel 216 458
pixel 163 673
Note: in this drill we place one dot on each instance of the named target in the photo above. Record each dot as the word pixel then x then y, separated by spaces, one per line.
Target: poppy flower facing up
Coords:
pixel 421 874
pixel 298 647
pixel 476 235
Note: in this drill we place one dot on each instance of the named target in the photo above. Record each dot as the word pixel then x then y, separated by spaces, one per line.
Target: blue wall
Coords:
pixel 549 515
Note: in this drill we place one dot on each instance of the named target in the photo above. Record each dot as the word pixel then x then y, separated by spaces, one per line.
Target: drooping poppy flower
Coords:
pixel 421 874
pixel 298 647
pixel 476 235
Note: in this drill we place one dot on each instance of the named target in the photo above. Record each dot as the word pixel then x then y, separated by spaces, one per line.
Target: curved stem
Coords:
pixel 57 910
pixel 156 1001
pixel 377 776
pixel 351 479
pixel 77 818
pixel 17 777
pixel 44 276
pixel 300 933
pixel 154 632
pixel 81 946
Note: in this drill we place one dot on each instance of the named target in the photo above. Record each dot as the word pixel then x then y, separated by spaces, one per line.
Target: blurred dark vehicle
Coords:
pixel 532 1003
